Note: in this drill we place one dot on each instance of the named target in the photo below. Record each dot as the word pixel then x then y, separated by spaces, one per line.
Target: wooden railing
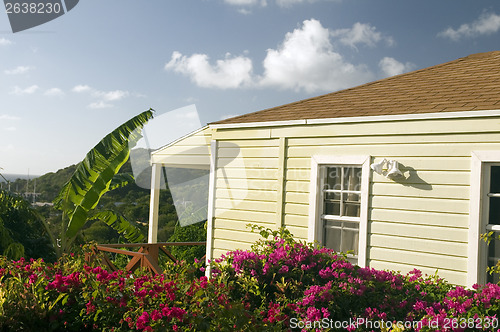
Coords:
pixel 146 257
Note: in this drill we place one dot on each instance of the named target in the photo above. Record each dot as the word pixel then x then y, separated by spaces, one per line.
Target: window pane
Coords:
pixel 494 255
pixel 333 179
pixel 352 178
pixel 495 179
pixel 350 241
pixel 332 204
pixel 332 237
pixel 494 217
pixel 351 205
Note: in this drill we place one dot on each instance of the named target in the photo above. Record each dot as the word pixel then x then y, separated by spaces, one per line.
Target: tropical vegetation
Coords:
pixel 279 285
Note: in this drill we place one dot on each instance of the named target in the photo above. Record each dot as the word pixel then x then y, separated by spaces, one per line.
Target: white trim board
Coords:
pixel 354 119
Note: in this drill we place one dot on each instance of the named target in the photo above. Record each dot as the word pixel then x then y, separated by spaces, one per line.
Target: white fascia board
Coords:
pixel 373 118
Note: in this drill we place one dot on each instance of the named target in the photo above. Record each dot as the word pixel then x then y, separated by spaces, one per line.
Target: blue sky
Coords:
pixel 67 83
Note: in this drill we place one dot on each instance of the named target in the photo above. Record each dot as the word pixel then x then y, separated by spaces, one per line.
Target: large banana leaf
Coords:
pixel 94 174
pixel 120 224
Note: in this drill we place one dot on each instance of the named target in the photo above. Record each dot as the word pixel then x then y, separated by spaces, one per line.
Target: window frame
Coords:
pixel 315 227
pixel 477 248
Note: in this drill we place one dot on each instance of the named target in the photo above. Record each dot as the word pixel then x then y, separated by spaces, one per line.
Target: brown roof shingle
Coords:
pixel 466 84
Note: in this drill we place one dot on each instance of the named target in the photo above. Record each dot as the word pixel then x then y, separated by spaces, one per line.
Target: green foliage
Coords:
pixel 93 176
pixel 22 232
pixel 192 233
pixel 122 226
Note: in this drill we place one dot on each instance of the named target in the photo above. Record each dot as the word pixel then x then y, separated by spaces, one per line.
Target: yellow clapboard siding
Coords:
pixel 300 198
pixel 420 204
pixel 245 205
pixel 297 186
pixel 224 246
pixel 254 152
pixel 238 225
pixel 236 236
pixel 296 220
pixel 369 139
pixel 418 163
pixel 437 126
pixel 299 233
pixel 420 259
pixel 454 277
pixel 255 195
pixel 420 245
pixel 260 143
pixel 241 133
pixel 425 178
pixel 419 231
pixel 300 209
pixel 247 216
pixel 394 151
pixel 435 191
pixel 247 173
pixel 420 218
pixel 248 162
pixel 254 184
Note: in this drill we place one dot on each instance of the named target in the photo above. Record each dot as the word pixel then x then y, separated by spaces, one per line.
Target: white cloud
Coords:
pixel 246 2
pixel 18 70
pixel 111 95
pixel 486 24
pixel 81 88
pixel 361 33
pixel 10 129
pixel 9 117
pixel 100 104
pixel 232 72
pixel 54 92
pixel 6 148
pixel 306 60
pixel 4 42
pixel 391 66
pixel 103 96
pixel 27 91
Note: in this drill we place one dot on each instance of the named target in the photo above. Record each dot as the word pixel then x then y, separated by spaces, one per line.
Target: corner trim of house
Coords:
pixel 211 206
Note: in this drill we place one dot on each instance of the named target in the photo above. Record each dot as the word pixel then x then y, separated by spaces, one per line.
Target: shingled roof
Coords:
pixel 466 84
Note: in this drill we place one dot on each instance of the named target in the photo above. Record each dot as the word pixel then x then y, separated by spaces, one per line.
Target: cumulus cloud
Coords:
pixel 231 72
pixel 391 66
pixel 4 42
pixel 17 91
pixel 361 33
pixel 54 92
pixel 81 88
pixel 263 3
pixel 246 2
pixel 18 70
pixel 486 24
pixel 306 60
pixel 103 96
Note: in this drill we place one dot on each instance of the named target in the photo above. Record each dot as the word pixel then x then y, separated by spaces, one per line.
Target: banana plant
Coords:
pixel 93 177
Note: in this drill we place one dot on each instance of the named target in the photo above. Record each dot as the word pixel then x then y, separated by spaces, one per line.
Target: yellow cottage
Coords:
pixel 403 172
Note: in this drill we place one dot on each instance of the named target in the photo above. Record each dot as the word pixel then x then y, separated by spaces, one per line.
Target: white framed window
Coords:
pixel 338 209
pixel 484 216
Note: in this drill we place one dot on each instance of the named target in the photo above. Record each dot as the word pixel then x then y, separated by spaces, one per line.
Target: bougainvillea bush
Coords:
pixel 278 285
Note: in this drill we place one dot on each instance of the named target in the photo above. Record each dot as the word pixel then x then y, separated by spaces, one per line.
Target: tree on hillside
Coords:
pixel 22 232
